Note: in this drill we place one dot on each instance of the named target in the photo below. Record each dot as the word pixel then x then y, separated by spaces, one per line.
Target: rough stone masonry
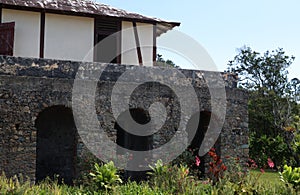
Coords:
pixel 38 136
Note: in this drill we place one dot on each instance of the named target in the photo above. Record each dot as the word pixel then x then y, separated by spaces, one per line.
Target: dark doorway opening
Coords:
pixel 204 118
pixel 134 142
pixel 56 144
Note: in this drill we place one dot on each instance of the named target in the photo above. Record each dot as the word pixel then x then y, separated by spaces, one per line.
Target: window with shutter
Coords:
pixel 106 42
pixel 7 38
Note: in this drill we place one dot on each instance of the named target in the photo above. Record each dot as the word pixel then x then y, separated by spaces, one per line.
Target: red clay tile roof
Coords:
pixel 88 7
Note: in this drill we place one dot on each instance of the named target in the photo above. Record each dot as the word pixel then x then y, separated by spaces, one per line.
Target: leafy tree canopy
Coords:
pixel 273 102
pixel 160 61
pixel 266 71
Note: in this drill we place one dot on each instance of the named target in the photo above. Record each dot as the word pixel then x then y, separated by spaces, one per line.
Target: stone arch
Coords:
pixel 56 144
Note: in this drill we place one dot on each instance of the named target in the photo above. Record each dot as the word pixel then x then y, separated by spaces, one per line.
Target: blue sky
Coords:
pixel 222 27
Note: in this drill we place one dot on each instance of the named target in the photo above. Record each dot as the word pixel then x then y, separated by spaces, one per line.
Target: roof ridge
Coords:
pixel 88 8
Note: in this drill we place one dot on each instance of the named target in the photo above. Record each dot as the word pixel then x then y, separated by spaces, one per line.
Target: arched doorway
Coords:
pixel 56 144
pixel 203 118
pixel 134 142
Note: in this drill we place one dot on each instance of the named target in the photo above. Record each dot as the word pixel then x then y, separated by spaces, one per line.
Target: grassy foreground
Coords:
pixel 269 176
pixel 267 183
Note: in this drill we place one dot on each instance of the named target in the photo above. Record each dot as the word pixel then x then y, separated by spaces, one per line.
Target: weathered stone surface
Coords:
pixel 29 86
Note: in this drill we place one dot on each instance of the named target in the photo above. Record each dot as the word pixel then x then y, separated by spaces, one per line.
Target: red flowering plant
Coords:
pixel 197 161
pixel 216 166
pixel 190 159
pixel 270 163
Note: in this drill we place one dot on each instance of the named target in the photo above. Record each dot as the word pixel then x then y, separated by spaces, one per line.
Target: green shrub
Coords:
pixel 263 147
pixel 105 176
pixel 170 178
pixel 291 176
pixel 296 146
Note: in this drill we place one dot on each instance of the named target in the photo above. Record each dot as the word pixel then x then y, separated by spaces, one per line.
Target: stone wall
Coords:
pixel 29 86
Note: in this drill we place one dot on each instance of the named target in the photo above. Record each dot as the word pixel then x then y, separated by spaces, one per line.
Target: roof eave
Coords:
pixel 165 27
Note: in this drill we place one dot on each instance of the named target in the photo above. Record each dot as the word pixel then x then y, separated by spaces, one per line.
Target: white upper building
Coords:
pixel 70 30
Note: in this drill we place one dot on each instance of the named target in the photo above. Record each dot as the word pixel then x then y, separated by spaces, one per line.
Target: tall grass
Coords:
pixel 18 185
pixel 266 184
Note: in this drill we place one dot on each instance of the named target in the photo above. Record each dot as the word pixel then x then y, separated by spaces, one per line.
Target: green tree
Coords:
pixel 295 88
pixel 266 78
pixel 160 61
pixel 272 103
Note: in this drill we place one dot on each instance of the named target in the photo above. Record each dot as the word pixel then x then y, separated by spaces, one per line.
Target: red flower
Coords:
pixel 262 170
pixel 270 163
pixel 223 167
pixel 215 157
pixel 197 161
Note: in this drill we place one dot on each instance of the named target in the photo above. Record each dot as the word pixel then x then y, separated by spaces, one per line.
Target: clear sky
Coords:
pixel 222 27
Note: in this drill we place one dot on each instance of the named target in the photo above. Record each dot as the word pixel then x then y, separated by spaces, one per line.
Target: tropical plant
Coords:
pixel 105 176
pixel 264 147
pixel 216 166
pixel 171 178
pixel 291 176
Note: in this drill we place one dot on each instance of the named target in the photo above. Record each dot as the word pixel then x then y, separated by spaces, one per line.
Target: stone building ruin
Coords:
pixel 38 136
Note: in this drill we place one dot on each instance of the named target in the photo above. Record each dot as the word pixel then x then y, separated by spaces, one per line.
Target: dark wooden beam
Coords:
pixel 95 40
pixel 154 44
pixel 0 13
pixel 119 43
pixel 137 42
pixel 42 35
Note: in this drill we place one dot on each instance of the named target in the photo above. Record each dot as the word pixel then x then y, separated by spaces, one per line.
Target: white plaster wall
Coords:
pixel 69 37
pixel 27 31
pixel 128 44
pixel 145 32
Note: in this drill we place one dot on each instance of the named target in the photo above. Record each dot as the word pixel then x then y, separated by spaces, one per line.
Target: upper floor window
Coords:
pixel 7 38
pixel 107 43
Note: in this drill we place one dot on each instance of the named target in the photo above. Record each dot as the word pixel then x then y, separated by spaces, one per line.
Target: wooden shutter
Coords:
pixel 107 27
pixel 103 29
pixel 7 38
